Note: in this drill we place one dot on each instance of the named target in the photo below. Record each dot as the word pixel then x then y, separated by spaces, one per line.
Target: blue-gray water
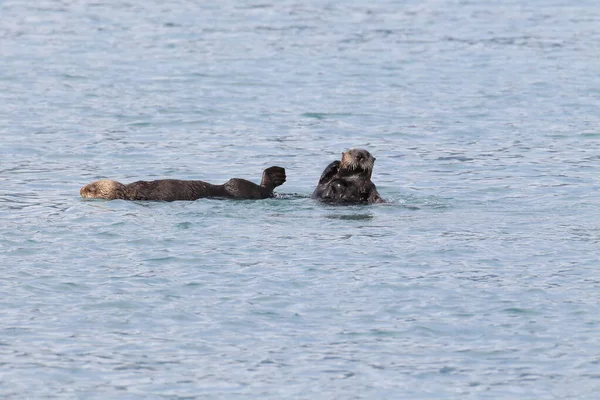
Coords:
pixel 479 279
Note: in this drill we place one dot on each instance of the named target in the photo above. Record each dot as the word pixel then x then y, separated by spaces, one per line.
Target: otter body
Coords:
pixel 174 189
pixel 349 181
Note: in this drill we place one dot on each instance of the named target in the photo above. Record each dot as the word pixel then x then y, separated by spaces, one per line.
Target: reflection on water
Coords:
pixel 351 217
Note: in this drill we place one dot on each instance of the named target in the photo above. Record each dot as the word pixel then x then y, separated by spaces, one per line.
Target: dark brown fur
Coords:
pixel 174 189
pixel 349 181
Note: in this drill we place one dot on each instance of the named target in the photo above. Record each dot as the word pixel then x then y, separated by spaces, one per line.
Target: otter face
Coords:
pixel 104 189
pixel 358 161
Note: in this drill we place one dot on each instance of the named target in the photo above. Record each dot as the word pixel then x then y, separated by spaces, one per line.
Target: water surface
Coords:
pixel 477 280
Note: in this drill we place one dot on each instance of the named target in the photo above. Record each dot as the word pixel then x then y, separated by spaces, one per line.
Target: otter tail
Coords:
pixel 273 177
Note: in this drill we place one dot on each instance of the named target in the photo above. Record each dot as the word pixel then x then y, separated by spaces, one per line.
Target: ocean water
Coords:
pixel 477 280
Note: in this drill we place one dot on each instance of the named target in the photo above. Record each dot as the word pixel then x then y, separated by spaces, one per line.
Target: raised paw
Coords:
pixel 273 177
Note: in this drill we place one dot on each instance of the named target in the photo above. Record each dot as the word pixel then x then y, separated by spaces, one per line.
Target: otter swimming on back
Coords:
pixel 174 189
pixel 349 180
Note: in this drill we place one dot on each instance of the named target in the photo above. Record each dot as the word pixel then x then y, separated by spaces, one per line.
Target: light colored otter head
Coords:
pixel 104 189
pixel 357 162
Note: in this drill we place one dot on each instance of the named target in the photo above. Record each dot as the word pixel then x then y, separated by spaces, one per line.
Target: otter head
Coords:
pixel 104 189
pixel 357 162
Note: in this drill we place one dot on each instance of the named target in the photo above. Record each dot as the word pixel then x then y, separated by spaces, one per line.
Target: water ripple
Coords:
pixel 476 279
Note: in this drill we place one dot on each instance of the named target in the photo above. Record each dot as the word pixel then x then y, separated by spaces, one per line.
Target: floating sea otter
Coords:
pixel 173 189
pixel 349 181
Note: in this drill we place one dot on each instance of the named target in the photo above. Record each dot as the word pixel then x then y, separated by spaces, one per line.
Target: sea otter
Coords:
pixel 173 189
pixel 349 180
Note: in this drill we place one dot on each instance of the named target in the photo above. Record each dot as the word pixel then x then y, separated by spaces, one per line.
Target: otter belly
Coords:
pixel 348 191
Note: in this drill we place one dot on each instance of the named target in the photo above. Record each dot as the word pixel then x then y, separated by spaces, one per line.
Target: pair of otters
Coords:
pixel 346 181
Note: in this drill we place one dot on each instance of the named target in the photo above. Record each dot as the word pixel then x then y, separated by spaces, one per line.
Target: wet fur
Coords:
pixel 349 181
pixel 174 189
